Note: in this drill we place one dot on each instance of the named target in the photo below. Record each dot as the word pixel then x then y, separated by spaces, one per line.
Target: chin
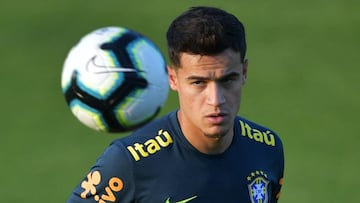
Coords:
pixel 217 134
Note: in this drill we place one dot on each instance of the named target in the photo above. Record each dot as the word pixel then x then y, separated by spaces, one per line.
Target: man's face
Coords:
pixel 209 90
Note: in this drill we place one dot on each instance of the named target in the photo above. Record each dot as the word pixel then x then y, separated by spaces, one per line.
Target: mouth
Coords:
pixel 216 118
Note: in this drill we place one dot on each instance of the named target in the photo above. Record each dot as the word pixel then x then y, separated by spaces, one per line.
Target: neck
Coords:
pixel 210 145
pixel 205 143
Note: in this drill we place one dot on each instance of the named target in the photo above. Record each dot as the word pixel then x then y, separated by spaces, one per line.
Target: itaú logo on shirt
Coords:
pixel 151 146
pixel 259 136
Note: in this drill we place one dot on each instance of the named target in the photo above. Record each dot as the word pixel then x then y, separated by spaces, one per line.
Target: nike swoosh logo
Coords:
pixel 92 67
pixel 182 201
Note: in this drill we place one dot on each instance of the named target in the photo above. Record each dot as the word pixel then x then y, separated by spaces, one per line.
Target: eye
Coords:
pixel 229 80
pixel 198 82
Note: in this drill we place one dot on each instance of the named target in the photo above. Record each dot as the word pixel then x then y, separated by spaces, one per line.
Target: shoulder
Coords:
pixel 257 132
pixel 148 139
pixel 149 130
pixel 116 169
pixel 260 141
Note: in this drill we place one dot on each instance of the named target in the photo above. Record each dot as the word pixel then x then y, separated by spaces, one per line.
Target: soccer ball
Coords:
pixel 114 80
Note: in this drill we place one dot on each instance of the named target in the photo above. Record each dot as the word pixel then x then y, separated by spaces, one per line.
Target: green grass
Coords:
pixel 302 82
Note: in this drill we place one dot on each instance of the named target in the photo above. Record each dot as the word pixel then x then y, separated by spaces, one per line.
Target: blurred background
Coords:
pixel 302 82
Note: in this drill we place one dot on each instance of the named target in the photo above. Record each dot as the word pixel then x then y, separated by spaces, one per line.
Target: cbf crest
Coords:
pixel 258 187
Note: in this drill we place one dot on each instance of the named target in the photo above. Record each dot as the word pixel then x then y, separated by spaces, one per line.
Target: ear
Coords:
pixel 244 71
pixel 172 78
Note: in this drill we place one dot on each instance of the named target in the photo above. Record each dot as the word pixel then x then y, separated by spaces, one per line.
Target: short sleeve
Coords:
pixel 109 180
pixel 279 183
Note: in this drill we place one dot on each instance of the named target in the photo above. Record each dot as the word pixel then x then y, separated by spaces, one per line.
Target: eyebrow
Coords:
pixel 195 77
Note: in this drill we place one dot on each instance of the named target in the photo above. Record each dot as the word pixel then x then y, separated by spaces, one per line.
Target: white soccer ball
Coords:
pixel 115 79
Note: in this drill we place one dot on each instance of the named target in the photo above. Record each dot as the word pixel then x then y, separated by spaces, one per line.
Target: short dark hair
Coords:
pixel 205 31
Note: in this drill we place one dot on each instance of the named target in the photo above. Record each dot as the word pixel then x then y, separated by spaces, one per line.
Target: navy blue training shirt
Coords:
pixel 156 164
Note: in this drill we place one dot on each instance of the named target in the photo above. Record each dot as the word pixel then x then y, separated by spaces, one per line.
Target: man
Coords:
pixel 203 152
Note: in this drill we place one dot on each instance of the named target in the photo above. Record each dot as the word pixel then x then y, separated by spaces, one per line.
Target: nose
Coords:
pixel 215 95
